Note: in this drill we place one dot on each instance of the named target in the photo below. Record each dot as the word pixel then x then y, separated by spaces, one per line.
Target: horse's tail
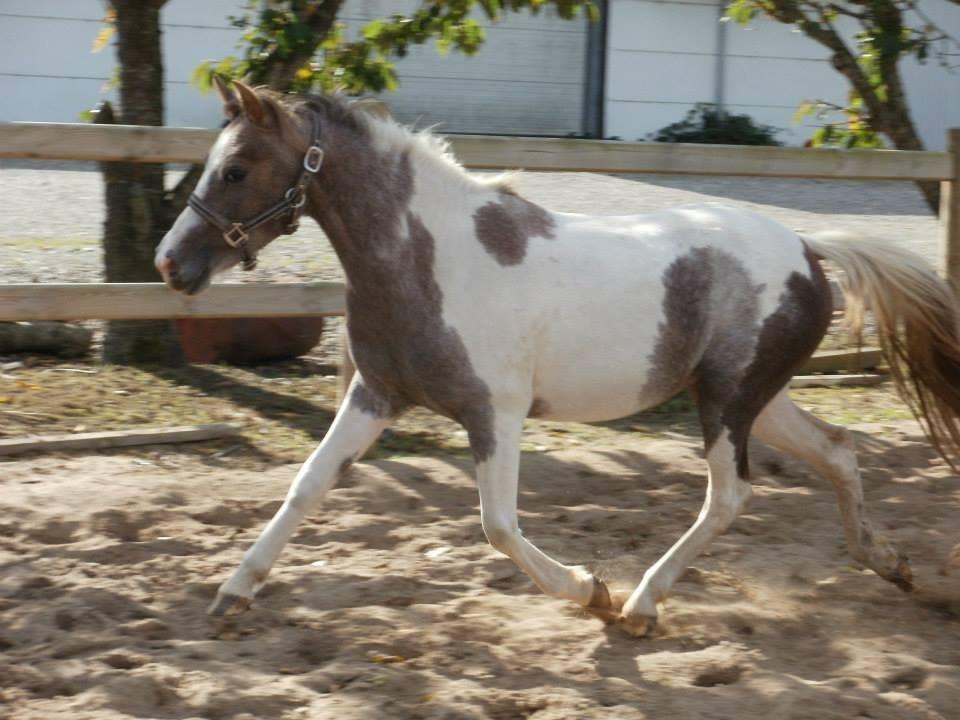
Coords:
pixel 917 319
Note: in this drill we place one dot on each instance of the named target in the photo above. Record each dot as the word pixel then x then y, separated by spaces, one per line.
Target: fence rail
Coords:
pixel 155 301
pixel 131 143
pixel 127 143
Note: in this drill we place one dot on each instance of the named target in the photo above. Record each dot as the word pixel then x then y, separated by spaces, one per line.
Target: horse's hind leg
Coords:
pixel 830 450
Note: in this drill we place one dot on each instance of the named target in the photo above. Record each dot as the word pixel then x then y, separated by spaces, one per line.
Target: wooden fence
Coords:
pixel 50 141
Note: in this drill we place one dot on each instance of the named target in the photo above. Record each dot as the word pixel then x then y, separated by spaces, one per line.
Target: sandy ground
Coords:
pixel 389 603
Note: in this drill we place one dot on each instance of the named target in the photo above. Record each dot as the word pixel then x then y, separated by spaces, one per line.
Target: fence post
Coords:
pixel 950 211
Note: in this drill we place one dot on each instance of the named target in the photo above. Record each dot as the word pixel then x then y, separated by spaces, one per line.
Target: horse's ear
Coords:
pixel 231 104
pixel 252 104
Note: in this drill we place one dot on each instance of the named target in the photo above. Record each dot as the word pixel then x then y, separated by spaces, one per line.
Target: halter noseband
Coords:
pixel 237 234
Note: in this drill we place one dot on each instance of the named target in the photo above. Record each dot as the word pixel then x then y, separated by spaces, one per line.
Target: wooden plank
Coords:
pixel 687 159
pixel 153 301
pixel 829 381
pixel 835 360
pixel 128 143
pixel 52 141
pixel 117 438
pixel 950 213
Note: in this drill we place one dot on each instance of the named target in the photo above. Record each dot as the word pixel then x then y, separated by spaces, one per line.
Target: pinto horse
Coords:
pixel 466 298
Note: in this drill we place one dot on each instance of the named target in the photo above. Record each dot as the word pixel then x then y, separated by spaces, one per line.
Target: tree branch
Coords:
pixel 319 17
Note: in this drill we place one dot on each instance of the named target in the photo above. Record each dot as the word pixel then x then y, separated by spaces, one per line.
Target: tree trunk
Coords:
pixel 137 215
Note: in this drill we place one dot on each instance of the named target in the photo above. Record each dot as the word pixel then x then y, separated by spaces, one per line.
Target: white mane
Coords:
pixel 428 147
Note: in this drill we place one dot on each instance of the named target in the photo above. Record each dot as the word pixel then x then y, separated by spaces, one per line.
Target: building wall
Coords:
pixel 663 57
pixel 528 78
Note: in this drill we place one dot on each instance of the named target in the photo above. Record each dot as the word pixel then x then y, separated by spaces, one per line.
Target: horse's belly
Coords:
pixel 603 382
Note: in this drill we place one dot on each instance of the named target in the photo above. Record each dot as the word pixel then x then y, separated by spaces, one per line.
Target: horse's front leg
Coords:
pixel 497 476
pixel 359 421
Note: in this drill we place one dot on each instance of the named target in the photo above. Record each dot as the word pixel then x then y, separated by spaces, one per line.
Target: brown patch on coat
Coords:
pixel 404 351
pixel 711 335
pixel 366 401
pixel 687 283
pixel 788 338
pixel 733 328
pixel 505 227
pixel 710 311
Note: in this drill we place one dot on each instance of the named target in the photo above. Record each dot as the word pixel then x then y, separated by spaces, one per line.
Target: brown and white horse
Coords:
pixel 465 298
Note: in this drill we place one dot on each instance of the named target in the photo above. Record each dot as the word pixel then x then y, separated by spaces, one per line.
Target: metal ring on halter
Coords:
pixel 296 196
pixel 313 159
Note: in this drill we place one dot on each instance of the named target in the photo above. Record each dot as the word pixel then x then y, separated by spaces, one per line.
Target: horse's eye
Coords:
pixel 234 175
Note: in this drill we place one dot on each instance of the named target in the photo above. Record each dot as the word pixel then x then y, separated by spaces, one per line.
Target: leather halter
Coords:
pixel 237 234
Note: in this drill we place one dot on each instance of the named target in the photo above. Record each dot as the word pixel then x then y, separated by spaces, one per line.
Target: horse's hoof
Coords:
pixel 637 625
pixel 227 604
pixel 896 569
pixel 602 605
pixel 902 576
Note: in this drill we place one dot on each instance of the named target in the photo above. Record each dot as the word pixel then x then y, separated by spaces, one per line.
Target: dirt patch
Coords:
pixel 389 602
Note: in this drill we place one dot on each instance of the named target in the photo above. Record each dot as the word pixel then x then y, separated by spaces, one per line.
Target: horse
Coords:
pixel 468 299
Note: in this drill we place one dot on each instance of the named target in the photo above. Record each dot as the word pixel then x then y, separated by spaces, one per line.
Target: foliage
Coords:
pixel 887 31
pixel 297 45
pixel 107 31
pixel 851 130
pixel 706 123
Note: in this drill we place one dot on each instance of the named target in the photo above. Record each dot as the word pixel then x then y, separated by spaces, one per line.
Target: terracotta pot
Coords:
pixel 247 341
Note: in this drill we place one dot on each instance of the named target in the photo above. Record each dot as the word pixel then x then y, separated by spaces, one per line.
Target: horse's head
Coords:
pixel 251 191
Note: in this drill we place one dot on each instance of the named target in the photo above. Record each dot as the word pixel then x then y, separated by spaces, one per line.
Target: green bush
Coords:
pixel 707 124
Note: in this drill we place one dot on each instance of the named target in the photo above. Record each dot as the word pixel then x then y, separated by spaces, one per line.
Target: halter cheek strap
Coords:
pixel 237 234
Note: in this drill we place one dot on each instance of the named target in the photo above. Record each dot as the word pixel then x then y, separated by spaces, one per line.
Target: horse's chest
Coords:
pixel 415 359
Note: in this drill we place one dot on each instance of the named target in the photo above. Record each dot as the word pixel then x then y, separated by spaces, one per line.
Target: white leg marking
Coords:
pixel 830 450
pixel 352 432
pixel 497 477
pixel 726 496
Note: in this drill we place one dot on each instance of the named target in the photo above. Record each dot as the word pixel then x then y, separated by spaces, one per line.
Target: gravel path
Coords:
pixel 52 217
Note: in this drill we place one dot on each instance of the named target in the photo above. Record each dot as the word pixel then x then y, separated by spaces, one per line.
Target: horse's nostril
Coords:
pixel 167 266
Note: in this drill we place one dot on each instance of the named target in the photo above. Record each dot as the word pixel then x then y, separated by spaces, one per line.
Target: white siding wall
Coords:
pixel 771 69
pixel 49 73
pixel 662 57
pixel 934 91
pixel 528 78
pixel 660 62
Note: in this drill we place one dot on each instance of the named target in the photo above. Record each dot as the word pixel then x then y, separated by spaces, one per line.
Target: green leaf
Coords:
pixel 202 77
pixel 741 11
pixel 805 110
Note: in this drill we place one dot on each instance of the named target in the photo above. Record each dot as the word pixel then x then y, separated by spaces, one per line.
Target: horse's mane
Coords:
pixel 367 114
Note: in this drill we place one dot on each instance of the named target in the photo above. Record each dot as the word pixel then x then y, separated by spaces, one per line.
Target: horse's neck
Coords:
pixel 377 208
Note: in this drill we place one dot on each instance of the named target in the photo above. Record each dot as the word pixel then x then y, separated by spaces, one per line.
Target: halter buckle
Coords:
pixel 236 235
pixel 313 159
pixel 296 196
